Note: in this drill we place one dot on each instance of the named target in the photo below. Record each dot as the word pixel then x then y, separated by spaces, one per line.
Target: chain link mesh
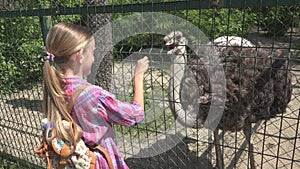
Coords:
pixel 270 25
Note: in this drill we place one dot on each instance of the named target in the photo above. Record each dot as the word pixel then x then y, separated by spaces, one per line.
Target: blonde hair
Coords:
pixel 63 40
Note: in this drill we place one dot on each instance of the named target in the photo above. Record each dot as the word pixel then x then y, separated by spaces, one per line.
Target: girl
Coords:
pixel 69 58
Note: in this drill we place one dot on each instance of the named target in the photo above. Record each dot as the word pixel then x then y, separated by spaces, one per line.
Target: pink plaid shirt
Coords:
pixel 95 110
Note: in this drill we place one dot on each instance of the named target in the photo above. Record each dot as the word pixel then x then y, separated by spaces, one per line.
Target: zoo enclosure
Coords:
pixel 21 102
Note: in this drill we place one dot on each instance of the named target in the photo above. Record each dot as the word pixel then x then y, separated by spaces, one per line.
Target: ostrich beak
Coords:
pixel 170 45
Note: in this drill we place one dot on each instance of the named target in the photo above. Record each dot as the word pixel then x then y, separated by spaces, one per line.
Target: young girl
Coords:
pixel 69 58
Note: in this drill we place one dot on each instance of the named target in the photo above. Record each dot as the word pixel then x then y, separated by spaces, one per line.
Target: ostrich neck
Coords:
pixel 177 74
pixel 186 116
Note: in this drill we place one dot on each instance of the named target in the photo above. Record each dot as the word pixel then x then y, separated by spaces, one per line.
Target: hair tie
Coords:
pixel 49 56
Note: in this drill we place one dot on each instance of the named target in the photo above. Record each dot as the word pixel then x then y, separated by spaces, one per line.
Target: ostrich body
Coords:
pixel 256 88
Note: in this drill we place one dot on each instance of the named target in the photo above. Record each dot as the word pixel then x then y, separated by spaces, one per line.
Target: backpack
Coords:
pixel 68 155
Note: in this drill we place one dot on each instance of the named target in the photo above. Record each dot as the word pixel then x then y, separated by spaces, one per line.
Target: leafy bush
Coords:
pixel 20 53
pixel 276 21
pixel 227 22
pixel 220 22
pixel 22 48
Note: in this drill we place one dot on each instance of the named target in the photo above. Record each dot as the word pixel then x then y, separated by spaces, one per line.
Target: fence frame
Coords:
pixel 146 7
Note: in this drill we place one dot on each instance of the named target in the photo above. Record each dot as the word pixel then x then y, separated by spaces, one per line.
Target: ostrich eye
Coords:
pixel 178 37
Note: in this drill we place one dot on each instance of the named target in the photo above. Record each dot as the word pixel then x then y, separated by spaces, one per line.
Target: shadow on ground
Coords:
pixel 33 105
pixel 178 157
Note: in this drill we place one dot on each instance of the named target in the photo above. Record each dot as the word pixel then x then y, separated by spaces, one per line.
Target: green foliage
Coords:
pixel 21 52
pixel 277 20
pixel 214 23
pixel 6 165
pixel 21 46
pixel 220 22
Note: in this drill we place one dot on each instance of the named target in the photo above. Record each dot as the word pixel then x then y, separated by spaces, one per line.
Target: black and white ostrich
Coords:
pixel 257 85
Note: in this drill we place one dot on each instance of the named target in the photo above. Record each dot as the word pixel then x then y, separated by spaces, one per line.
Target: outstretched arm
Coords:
pixel 119 112
pixel 141 67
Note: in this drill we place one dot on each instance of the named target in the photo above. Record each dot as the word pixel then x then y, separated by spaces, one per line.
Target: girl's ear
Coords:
pixel 79 56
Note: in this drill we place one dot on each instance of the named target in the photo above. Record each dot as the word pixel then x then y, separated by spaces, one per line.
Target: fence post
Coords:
pixel 45 23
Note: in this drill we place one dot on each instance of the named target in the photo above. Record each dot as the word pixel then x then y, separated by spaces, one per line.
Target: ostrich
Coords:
pixel 257 87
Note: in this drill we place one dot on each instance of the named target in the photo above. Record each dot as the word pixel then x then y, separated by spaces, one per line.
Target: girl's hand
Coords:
pixel 142 66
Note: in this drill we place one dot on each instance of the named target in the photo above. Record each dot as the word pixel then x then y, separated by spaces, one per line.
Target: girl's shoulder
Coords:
pixel 97 90
pixel 72 84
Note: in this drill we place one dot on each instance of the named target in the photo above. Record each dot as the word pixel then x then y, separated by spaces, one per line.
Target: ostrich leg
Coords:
pixel 219 156
pixel 247 132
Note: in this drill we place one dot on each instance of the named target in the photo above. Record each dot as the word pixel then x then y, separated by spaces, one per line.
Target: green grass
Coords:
pixel 158 117
pixel 8 161
pixel 5 164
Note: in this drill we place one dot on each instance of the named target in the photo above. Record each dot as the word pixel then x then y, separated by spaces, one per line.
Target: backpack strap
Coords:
pixel 45 151
pixel 100 148
pixel 74 97
pixel 106 155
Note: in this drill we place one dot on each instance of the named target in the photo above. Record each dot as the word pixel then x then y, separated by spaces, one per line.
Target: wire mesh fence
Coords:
pixel 256 78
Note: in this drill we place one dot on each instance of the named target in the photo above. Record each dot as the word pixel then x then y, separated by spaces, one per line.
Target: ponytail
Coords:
pixel 54 102
pixel 63 40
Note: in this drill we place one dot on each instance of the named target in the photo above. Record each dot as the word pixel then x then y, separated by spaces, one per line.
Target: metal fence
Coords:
pixel 127 30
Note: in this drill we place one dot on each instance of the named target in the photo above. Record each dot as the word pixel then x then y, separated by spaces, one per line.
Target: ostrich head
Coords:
pixel 175 42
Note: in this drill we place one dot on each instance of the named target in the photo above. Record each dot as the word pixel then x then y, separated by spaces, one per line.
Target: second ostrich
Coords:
pixel 257 85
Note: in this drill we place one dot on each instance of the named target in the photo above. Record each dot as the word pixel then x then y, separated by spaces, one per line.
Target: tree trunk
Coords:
pixel 95 22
